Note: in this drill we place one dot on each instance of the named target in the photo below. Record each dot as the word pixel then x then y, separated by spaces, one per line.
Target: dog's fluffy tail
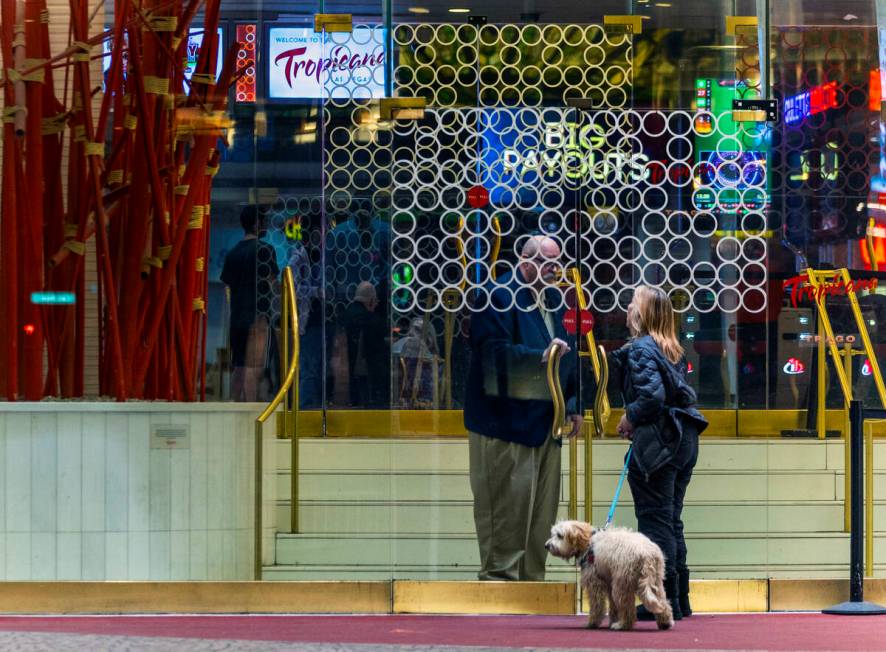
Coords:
pixel 651 576
pixel 652 593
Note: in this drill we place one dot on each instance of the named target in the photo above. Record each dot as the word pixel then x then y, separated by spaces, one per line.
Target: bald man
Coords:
pixel 514 460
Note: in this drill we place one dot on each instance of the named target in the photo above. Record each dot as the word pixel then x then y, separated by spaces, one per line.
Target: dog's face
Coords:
pixel 569 539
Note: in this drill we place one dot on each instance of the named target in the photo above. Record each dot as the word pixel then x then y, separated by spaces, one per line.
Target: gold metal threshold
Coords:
pixel 400 596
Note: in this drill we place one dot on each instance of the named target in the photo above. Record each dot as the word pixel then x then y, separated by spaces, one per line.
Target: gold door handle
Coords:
pixel 558 427
pixel 600 402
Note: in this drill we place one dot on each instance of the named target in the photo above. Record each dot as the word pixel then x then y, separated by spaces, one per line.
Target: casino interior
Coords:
pixel 185 431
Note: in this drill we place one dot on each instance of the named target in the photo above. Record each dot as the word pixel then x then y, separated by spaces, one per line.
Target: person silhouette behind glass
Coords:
pixel 357 251
pixel 309 295
pixel 368 359
pixel 250 271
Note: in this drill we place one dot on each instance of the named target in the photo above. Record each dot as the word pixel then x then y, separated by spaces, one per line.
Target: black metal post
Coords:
pixel 856 605
pixel 856 502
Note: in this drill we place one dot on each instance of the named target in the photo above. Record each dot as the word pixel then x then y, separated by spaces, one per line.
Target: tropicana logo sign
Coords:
pixel 340 59
pixel 302 64
pixel 800 288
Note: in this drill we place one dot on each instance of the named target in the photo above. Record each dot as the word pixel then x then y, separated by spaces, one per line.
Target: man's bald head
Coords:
pixel 366 295
pixel 540 246
pixel 539 258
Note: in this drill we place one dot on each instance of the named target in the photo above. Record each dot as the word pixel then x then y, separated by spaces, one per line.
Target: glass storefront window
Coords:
pixel 418 171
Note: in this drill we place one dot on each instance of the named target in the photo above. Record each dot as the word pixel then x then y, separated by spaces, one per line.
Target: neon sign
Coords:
pixel 800 288
pixel 877 231
pixel 794 367
pixel 575 153
pixel 815 100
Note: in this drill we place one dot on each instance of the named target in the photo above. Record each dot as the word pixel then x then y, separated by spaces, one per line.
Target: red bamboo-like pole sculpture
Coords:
pixel 139 176
pixel 194 176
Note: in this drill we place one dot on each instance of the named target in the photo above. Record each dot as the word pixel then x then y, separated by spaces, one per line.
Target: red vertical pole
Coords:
pixel 9 259
pixel 32 261
pixel 94 160
pixel 9 325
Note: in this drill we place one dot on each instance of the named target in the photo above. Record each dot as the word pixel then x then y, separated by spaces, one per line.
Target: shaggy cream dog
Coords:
pixel 617 563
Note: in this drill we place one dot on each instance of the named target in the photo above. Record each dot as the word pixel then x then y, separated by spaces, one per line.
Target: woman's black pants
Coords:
pixel 658 503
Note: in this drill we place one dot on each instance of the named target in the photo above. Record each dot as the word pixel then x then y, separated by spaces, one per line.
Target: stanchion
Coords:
pixel 856 606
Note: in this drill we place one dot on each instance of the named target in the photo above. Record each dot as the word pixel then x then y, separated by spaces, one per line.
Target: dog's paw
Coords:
pixel 594 624
pixel 616 626
pixel 668 624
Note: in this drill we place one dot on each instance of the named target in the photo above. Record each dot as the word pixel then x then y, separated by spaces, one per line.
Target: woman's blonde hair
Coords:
pixel 654 316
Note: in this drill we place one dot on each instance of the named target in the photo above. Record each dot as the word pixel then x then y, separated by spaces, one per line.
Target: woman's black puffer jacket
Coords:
pixel 658 401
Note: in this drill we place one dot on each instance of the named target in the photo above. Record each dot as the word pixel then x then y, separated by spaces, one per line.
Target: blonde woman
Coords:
pixel 662 422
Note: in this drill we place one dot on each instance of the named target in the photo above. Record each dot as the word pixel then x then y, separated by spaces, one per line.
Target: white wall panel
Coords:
pixel 70 480
pixel 83 495
pixel 17 461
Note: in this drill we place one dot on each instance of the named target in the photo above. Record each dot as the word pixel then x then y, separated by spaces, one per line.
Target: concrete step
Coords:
pixel 376 509
pixel 738 551
pixel 554 574
pixel 440 455
pixel 717 486
pixel 456 517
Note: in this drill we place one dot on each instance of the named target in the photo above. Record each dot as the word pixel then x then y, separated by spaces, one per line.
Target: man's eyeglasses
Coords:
pixel 542 262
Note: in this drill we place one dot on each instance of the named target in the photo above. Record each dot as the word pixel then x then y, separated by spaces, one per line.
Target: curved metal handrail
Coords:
pixel 290 314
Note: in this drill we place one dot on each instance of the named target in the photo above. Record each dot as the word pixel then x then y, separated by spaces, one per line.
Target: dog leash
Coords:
pixel 621 482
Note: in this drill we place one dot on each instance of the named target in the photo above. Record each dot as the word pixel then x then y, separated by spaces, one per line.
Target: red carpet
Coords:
pixel 722 632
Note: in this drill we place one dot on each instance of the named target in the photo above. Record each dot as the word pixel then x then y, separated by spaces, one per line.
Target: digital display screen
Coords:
pixel 195 40
pixel 722 177
pixel 737 170
pixel 303 64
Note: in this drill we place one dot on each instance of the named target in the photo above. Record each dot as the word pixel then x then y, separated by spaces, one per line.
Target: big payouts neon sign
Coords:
pixel 576 153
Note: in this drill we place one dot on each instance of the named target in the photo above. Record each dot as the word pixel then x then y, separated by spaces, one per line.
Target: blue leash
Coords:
pixel 621 482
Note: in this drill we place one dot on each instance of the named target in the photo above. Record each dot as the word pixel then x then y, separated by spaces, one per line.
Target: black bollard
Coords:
pixel 856 605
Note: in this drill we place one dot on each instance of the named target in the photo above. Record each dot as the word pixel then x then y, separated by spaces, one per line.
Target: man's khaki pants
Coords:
pixel 516 493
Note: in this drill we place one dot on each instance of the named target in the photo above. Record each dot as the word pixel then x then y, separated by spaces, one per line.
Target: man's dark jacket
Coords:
pixel 507 395
pixel 659 402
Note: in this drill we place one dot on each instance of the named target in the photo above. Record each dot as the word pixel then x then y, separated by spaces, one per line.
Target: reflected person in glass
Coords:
pixel 250 271
pixel 308 292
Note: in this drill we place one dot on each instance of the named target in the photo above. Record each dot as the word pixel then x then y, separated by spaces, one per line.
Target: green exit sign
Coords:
pixel 53 298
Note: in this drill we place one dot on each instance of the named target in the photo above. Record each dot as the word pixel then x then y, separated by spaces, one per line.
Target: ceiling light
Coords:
pixel 662 4
pixel 850 17
pixel 418 10
pixel 459 11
